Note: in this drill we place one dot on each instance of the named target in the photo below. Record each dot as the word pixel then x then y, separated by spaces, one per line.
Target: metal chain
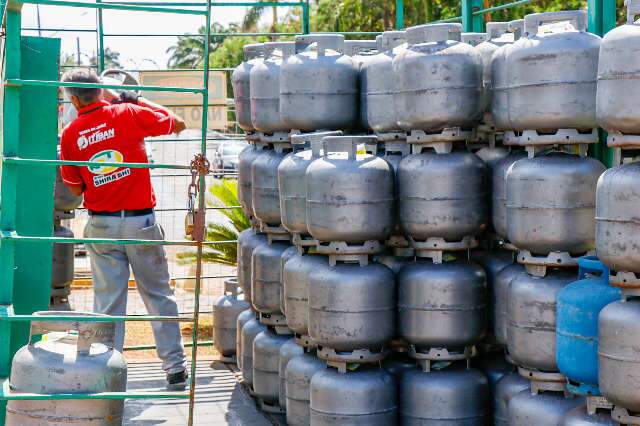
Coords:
pixel 200 166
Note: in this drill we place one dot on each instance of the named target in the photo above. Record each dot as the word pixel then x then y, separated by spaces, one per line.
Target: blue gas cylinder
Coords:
pixel 579 304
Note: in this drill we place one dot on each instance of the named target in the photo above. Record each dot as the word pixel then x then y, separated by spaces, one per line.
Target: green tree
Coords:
pixel 111 59
pixel 224 193
pixel 188 52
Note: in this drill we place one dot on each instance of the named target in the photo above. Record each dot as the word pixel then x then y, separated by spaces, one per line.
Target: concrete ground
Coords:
pixel 221 399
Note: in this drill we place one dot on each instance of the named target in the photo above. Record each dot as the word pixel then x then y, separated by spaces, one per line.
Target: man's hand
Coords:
pixel 127 97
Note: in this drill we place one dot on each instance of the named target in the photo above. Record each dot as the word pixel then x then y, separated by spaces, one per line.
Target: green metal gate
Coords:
pixel 30 70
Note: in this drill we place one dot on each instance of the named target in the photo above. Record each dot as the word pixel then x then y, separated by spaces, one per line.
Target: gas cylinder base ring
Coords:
pixel 273 320
pixel 434 247
pixel 442 354
pixel 446 135
pixel 624 416
pixel 558 137
pixel 595 403
pixel 537 265
pixel 620 140
pixel 305 341
pixel 338 359
pixel 269 407
pixel 277 137
pixel 551 381
pixel 629 282
pixel 338 248
pixel 252 136
pixel 301 240
pixel 398 136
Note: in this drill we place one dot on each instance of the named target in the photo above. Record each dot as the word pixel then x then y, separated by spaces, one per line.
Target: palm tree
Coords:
pixel 225 194
pixel 189 50
pixel 253 15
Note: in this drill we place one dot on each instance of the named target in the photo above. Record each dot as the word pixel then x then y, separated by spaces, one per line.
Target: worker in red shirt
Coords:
pixel 120 202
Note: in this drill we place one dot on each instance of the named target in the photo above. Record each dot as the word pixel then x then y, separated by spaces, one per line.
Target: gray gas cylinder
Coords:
pixel 248 241
pixel 551 203
pixel 64 363
pixel 500 79
pixel 240 82
pixel 350 196
pixel 450 97
pixel 289 350
pixel 319 85
pixel 265 193
pixel 352 306
pixel 441 397
pixel 267 278
pixel 450 296
pixel 618 359
pixel 499 191
pixel 618 91
pixel 62 269
pixel 243 318
pixel 296 278
pixel 226 310
pixel 266 373
pixel 307 147
pixel 366 396
pixel 265 87
pixel 531 318
pixel 580 417
pixel 552 73
pixel 617 228
pixel 540 407
pixel 299 372
pixel 500 300
pixel 442 195
pixel 379 82
pixel 509 385
pixel 248 334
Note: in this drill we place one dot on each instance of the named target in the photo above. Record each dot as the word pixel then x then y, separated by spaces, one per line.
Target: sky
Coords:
pixel 135 52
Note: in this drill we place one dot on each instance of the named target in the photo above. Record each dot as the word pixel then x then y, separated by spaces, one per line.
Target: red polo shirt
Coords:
pixel 112 133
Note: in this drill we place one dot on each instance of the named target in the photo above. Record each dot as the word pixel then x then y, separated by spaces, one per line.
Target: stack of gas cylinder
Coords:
pixel 63 254
pixel 617 236
pixel 417 237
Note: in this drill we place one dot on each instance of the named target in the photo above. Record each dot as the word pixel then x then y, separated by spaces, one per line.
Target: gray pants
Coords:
pixel 110 267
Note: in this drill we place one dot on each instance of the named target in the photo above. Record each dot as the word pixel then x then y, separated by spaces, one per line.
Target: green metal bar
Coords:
pixel 201 206
pixel 62 30
pixel 88 318
pixel 101 48
pixel 40 162
pixel 306 20
pixel 399 14
pixel 67 3
pixel 11 235
pixel 151 347
pixel 49 83
pixel 202 35
pixel 9 395
pixel 501 7
pixel 214 4
pixel 470 21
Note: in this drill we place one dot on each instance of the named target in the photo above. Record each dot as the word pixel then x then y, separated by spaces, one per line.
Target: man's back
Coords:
pixel 114 134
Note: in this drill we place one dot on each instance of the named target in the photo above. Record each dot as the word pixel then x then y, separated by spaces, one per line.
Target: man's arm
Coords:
pixel 178 123
pixel 76 190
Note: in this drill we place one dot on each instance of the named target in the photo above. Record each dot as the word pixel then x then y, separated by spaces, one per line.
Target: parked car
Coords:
pixel 226 156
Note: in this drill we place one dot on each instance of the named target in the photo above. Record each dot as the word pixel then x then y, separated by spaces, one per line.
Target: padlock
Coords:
pixel 189 221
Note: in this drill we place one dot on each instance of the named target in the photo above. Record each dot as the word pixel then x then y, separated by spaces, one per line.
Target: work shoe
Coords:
pixel 177 381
